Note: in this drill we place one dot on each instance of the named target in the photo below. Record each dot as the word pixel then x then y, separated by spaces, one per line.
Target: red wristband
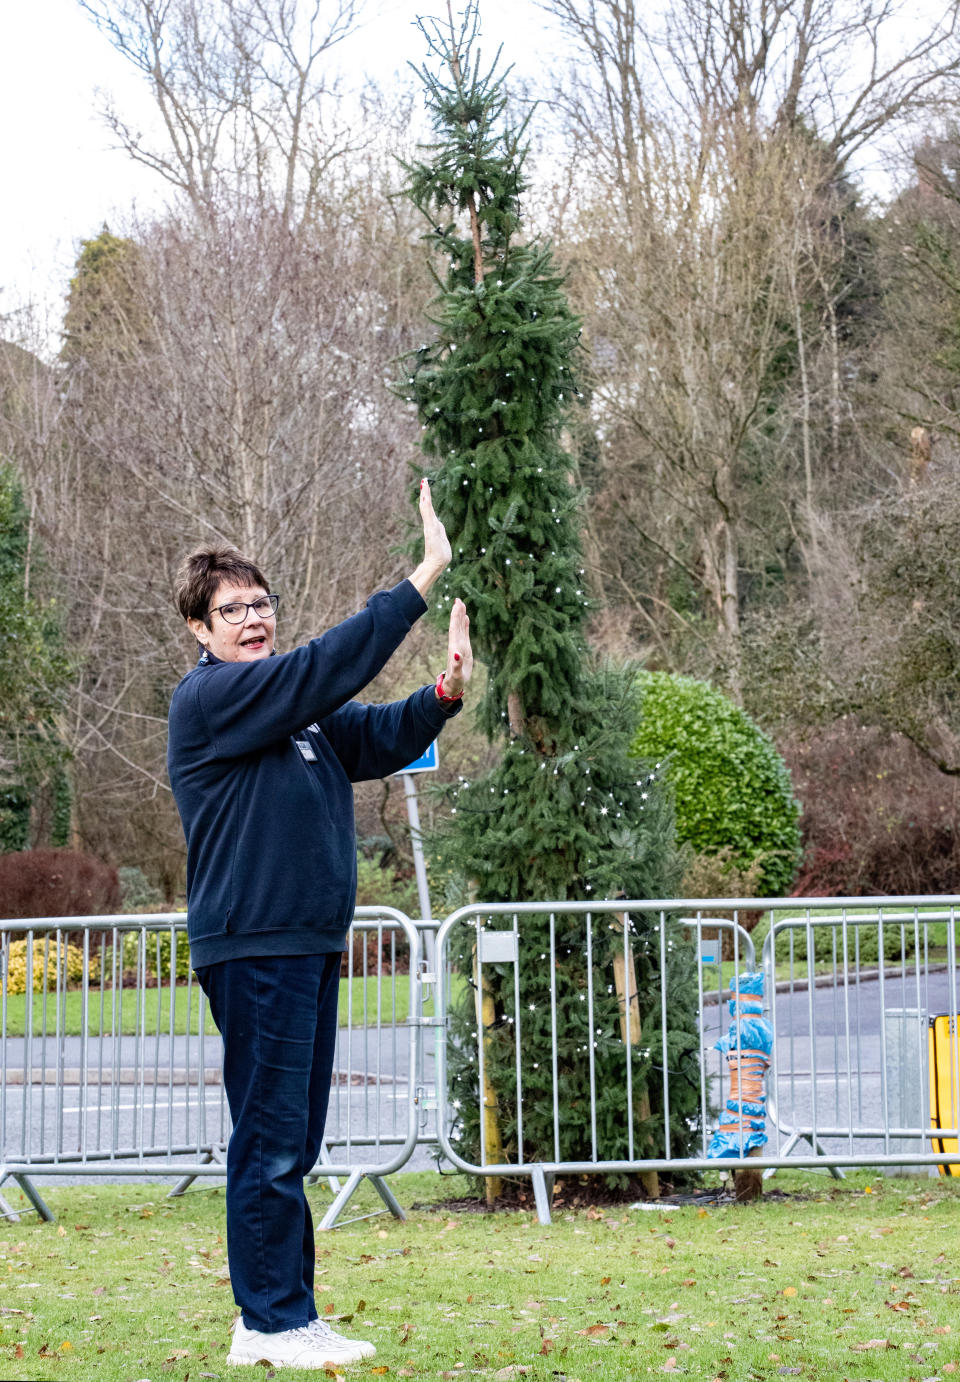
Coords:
pixel 442 697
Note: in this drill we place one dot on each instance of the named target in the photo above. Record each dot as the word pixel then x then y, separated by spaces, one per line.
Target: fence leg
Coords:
pixel 341 1200
pixel 542 1190
pixel 815 1143
pixel 387 1195
pixel 324 1160
pixel 215 1154
pixel 7 1210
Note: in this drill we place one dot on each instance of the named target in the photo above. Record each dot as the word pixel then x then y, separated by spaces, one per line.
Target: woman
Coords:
pixel 262 753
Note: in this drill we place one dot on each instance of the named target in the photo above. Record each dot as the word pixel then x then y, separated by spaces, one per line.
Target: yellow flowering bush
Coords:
pixel 45 965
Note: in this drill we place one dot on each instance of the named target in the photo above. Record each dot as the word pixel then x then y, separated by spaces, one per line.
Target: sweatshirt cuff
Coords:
pixel 410 601
pixel 436 712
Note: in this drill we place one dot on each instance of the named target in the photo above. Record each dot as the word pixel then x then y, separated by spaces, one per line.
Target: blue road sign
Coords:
pixel 426 763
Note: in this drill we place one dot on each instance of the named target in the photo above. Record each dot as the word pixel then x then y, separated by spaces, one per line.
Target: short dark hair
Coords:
pixel 202 572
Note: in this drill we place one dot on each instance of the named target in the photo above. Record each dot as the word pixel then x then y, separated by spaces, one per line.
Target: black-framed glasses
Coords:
pixel 236 611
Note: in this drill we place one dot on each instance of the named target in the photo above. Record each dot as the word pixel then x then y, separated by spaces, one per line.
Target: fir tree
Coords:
pixel 34 672
pixel 563 814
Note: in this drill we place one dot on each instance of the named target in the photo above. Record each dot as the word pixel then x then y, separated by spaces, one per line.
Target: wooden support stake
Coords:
pixel 625 983
pixel 748 1185
pixel 491 1147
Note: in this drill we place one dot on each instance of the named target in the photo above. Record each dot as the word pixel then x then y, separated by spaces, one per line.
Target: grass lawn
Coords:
pixel 358 1004
pixel 851 1280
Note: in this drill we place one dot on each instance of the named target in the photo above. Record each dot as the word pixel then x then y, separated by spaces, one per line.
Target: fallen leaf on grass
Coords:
pixel 604 1281
pixel 941 1329
pixel 177 1353
pixel 381 1371
pixel 18 1351
pixel 789 1290
pixel 405 1331
pixel 871 1343
pixel 547 1346
pixel 951 1367
pixel 670 1365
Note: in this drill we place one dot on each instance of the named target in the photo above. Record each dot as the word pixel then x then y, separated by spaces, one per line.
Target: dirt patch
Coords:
pixel 591 1195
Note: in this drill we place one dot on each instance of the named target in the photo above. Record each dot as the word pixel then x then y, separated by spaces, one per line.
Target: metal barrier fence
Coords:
pixel 852 986
pixel 849 1058
pixel 110 1067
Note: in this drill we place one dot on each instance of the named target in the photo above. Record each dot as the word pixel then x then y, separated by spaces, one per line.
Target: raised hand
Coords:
pixel 436 544
pixel 459 667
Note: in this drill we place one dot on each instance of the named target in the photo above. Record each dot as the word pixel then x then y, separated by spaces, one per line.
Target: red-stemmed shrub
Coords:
pixel 878 817
pixel 56 883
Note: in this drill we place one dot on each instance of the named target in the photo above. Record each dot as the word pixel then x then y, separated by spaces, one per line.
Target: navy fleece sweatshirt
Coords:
pixel 261 756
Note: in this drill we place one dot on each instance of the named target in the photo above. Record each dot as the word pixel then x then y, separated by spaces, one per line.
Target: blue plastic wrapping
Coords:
pixel 749 982
pixel 750 1034
pixel 752 1110
pixel 728 1144
pixel 736 1006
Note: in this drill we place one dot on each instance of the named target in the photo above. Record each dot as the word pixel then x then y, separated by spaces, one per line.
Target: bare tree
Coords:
pixel 711 252
pixel 840 69
pixel 225 376
pixel 245 101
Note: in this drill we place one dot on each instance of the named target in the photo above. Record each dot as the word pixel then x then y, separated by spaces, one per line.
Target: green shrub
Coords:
pixel 158 948
pixel 863 942
pixel 381 886
pixel 137 892
pixel 732 790
pixel 53 960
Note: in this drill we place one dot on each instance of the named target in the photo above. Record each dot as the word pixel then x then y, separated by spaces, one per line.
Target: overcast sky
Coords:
pixel 60 178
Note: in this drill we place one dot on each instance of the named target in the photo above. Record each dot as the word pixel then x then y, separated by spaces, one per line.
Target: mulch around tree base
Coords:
pixel 591 1193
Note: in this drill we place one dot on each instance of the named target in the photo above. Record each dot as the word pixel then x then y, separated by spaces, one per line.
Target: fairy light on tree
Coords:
pixel 562 814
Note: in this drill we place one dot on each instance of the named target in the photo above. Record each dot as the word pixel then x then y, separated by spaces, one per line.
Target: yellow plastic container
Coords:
pixel 944 1083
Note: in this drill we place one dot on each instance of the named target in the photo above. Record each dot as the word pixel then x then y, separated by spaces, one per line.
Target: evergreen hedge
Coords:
pixel 732 789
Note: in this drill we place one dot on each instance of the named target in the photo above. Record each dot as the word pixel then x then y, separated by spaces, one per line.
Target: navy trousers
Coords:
pixel 277 1015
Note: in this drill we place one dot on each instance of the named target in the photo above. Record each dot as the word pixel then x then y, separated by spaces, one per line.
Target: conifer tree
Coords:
pixel 34 672
pixel 563 814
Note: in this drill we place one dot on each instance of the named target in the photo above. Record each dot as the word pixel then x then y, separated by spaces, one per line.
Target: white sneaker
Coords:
pixel 323 1332
pixel 294 1348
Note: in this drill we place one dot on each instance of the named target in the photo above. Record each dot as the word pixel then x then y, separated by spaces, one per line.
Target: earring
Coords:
pixel 204 656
